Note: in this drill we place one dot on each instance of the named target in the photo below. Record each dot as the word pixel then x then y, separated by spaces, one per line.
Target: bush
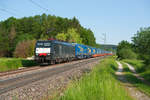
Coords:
pixel 127 54
pixel 25 49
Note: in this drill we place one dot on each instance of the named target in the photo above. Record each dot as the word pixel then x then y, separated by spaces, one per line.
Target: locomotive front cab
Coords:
pixel 43 51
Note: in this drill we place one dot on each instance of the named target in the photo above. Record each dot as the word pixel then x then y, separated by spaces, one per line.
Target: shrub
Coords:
pixel 25 49
pixel 127 53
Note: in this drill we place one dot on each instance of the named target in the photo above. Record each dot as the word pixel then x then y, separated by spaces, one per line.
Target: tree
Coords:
pixel 127 53
pixel 4 47
pixel 61 36
pixel 124 50
pixel 73 36
pixel 141 42
pixel 124 44
pixel 11 36
pixel 13 31
pixel 4 44
pixel 25 49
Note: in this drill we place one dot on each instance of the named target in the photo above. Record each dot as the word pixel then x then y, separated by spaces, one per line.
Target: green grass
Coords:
pixel 135 81
pixel 146 75
pixel 137 64
pixel 125 67
pixel 7 64
pixel 143 70
pixel 100 84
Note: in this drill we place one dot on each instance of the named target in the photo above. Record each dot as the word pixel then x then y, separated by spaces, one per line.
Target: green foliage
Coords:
pixel 13 31
pixel 141 42
pixel 87 36
pixel 61 36
pixel 146 74
pixel 7 64
pixel 71 36
pixel 125 51
pixel 124 44
pixel 4 44
pixel 100 84
pixel 126 54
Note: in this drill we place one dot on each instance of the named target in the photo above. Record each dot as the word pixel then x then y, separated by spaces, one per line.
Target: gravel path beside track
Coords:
pixel 46 82
pixel 133 91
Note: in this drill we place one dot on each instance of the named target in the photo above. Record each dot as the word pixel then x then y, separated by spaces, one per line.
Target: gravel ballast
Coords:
pixel 48 86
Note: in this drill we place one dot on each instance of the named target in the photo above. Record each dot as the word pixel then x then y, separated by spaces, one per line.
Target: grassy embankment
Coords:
pixel 141 68
pixel 7 64
pixel 138 64
pixel 100 84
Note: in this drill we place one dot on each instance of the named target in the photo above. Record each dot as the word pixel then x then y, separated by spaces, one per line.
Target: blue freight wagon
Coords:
pixel 88 51
pixel 80 51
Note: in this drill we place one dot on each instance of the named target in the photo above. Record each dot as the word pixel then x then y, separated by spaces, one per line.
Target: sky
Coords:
pixel 118 19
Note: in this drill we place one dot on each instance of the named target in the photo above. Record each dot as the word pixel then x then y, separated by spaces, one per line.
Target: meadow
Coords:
pixel 7 64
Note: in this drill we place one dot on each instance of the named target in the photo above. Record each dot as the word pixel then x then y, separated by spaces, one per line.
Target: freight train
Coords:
pixel 54 51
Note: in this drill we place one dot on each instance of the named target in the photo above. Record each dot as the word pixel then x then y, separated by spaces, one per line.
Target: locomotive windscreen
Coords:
pixel 43 44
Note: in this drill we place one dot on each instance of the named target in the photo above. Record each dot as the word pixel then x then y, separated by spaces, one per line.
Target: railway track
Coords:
pixel 11 72
pixel 13 83
pixel 18 71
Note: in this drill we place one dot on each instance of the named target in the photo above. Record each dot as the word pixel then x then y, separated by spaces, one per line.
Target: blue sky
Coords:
pixel 119 19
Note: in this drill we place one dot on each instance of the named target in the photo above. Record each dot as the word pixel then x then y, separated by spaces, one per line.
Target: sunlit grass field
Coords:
pixel 100 84
pixel 7 64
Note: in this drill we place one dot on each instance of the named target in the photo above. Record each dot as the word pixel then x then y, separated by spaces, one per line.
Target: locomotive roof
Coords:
pixel 56 41
pixel 68 44
pixel 60 42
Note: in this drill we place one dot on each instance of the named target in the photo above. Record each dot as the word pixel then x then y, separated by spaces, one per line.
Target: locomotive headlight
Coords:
pixel 37 54
pixel 43 50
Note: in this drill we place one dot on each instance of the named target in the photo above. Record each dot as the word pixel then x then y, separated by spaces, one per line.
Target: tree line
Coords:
pixel 18 36
pixel 138 49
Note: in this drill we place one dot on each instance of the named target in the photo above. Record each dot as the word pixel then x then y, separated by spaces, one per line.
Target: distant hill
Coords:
pixel 109 47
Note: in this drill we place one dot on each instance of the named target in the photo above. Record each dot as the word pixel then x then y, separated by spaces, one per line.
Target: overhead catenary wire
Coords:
pixel 38 5
pixel 103 38
pixel 7 11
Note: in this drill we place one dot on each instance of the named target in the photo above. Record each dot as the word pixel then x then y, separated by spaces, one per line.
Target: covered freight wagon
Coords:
pixel 80 50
